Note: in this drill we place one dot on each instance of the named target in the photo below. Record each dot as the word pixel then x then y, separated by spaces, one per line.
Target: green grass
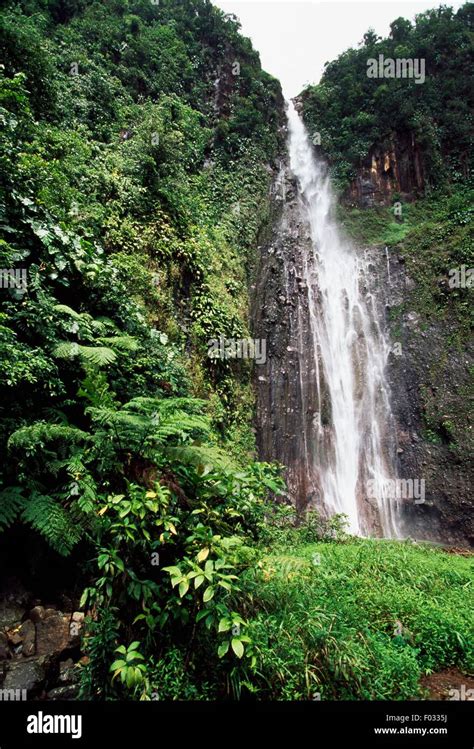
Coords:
pixel 329 627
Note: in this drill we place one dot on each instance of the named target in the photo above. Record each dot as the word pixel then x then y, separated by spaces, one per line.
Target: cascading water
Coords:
pixel 352 440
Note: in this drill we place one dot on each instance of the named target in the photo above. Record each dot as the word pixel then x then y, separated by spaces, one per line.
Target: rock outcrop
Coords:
pixel 39 652
pixel 392 169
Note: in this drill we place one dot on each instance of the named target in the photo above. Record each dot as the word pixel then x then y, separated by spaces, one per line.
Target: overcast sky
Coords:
pixel 295 38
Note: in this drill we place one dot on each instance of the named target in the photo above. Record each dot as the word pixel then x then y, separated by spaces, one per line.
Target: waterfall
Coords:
pixel 353 434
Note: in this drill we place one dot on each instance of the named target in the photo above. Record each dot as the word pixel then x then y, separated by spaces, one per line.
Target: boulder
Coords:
pixel 25 674
pixel 66 692
pixel 67 672
pixel 50 612
pixel 10 614
pixel 36 614
pixel 53 635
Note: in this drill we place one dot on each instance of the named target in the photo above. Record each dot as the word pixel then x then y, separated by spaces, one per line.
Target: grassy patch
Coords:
pixel 358 620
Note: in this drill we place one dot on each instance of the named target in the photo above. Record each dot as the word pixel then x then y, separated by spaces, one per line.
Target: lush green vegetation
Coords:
pixel 136 156
pixel 137 151
pixel 352 111
pixel 133 218
pixel 362 619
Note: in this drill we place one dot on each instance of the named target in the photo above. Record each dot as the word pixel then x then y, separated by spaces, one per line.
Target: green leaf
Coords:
pixel 237 647
pixel 203 554
pixel 183 588
pixel 223 648
pixel 208 594
pixel 117 665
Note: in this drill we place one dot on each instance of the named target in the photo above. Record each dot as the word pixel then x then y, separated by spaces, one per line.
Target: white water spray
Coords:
pixel 354 451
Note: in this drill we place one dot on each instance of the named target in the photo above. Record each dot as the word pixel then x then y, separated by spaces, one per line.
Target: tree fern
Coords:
pixel 165 405
pixel 65 309
pixel 144 424
pixel 96 390
pixel 122 342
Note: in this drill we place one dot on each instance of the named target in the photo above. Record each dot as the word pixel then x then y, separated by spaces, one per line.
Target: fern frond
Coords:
pixel 46 516
pixel 12 502
pixel 36 435
pixel 190 405
pixel 179 424
pixel 165 405
pixel 122 342
pixel 199 455
pixel 68 311
pixel 99 355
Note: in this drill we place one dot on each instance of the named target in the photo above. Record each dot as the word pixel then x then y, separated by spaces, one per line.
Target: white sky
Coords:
pixel 296 38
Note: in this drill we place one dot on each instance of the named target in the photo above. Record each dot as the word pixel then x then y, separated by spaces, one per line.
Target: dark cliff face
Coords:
pixel 286 394
pixel 392 169
pixel 422 376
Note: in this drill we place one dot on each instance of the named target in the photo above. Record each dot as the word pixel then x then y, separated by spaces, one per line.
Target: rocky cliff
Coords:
pixel 390 170
pixel 286 397
pixel 430 380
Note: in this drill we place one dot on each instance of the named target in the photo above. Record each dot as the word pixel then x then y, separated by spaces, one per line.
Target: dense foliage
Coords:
pixel 137 146
pixel 352 111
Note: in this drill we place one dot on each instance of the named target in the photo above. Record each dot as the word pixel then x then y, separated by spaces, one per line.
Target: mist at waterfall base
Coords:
pixel 355 450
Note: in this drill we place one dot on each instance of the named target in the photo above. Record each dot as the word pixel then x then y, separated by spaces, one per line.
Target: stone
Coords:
pixel 52 635
pixel 78 616
pixel 28 635
pixel 10 613
pixel 36 614
pixel 50 612
pixel 67 692
pixel 67 672
pixel 25 674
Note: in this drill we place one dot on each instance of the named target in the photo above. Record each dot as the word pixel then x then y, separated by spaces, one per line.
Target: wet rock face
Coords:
pixel 393 167
pixel 286 385
pixel 446 514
